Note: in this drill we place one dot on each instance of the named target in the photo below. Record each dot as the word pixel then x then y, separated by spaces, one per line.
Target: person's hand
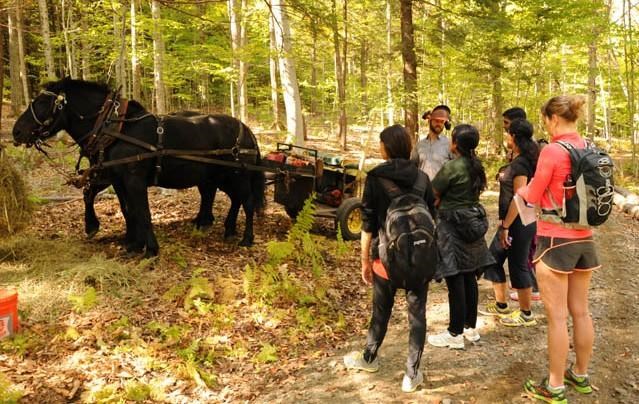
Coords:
pixel 367 271
pixel 504 239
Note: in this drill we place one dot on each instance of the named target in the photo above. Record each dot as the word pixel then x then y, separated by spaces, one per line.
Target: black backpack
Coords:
pixel 588 190
pixel 407 245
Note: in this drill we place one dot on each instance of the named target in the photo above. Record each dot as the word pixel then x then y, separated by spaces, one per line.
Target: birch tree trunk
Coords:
pixel 67 42
pixel 85 51
pixel 23 64
pixel 118 43
pixel 275 103
pixel 135 65
pixel 14 64
pixel 243 66
pixel 339 78
pixel 389 57
pixel 158 56
pixel 46 39
pixel 288 75
pixel 314 36
pixel 410 68
pixel 235 45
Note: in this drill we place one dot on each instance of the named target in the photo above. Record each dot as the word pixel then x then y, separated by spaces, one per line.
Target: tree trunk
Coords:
pixel 85 51
pixel 288 75
pixel 118 43
pixel 158 56
pixel 275 103
pixel 592 88
pixel 67 43
pixel 243 66
pixel 389 58
pixel 1 73
pixel 410 68
pixel 235 46
pixel 14 64
pixel 498 102
pixel 630 64
pixel 314 35
pixel 363 78
pixel 46 39
pixel 339 78
pixel 442 56
pixel 343 126
pixel 23 64
pixel 135 65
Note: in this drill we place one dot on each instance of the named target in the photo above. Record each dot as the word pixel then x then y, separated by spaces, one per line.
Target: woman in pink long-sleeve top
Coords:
pixel 565 257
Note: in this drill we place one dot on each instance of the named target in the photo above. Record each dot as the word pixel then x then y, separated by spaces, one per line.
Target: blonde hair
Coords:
pixel 569 107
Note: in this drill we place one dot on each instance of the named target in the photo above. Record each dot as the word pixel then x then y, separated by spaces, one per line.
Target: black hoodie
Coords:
pixel 375 200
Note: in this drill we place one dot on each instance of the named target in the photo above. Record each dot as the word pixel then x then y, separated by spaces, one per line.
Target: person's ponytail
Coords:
pixel 466 138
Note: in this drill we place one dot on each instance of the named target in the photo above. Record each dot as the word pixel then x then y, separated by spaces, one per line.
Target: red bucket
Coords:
pixel 9 323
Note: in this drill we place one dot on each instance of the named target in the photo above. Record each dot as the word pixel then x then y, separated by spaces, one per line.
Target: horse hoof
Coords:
pixel 151 253
pixel 246 243
pixel 91 233
pixel 203 227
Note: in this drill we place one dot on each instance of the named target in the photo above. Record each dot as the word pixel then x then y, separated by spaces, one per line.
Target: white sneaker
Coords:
pixel 444 340
pixel 410 385
pixel 471 334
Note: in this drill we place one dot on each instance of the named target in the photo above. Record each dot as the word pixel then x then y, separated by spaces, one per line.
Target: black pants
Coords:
pixel 463 295
pixel 383 299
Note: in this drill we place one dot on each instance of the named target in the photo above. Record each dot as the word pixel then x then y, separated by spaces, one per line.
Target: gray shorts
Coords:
pixel 567 255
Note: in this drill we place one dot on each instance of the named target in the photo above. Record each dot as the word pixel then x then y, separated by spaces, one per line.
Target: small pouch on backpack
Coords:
pixel 471 223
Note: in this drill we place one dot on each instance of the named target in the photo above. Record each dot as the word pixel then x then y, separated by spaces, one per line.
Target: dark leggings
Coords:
pixel 383 299
pixel 462 301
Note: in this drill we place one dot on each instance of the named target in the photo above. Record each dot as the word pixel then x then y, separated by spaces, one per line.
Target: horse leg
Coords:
pixel 137 203
pixel 230 224
pixel 249 210
pixel 205 218
pixel 91 222
pixel 129 220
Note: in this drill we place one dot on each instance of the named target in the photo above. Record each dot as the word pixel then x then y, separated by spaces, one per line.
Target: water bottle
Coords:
pixel 569 187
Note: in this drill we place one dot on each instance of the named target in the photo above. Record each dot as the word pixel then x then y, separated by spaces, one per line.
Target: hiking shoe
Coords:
pixel 535 296
pixel 518 319
pixel 471 334
pixel 446 340
pixel 410 385
pixel 491 309
pixel 542 392
pixel 581 384
pixel 355 360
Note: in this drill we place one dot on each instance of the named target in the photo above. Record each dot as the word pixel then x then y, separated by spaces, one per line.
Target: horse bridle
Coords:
pixel 57 105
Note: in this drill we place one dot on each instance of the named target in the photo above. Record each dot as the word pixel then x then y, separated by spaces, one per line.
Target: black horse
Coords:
pixel 75 106
pixel 203 220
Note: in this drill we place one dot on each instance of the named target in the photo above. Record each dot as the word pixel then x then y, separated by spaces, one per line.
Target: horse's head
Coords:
pixel 64 104
pixel 43 118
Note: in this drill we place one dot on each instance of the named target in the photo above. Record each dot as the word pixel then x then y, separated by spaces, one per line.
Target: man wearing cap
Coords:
pixel 434 150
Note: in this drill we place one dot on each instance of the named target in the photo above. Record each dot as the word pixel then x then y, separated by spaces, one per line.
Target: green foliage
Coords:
pixel 268 354
pixel 20 344
pixel 137 391
pixel 84 302
pixel 342 248
pixel 8 393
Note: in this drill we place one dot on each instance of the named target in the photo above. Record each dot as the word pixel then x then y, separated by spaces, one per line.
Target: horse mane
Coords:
pixel 68 83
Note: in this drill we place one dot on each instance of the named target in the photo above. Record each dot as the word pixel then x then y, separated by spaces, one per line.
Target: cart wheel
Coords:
pixel 292 211
pixel 349 218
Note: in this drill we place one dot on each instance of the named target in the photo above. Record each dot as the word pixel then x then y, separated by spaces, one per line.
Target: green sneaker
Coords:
pixel 355 360
pixel 581 384
pixel 542 392
pixel 518 319
pixel 491 309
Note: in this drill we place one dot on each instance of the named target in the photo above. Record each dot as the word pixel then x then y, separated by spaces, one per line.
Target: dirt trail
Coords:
pixel 494 369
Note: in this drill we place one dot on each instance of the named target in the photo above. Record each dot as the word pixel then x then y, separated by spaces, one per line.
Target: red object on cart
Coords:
pixel 9 323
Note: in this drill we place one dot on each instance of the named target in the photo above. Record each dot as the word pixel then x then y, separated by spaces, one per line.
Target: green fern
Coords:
pixel 85 301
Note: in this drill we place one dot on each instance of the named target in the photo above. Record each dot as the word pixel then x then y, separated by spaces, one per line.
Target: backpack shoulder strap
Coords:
pixel 391 189
pixel 419 188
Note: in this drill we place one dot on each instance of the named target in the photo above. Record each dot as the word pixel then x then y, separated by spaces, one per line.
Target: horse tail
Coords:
pixel 257 178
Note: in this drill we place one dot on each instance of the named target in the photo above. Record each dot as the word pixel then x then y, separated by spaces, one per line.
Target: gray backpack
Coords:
pixel 407 245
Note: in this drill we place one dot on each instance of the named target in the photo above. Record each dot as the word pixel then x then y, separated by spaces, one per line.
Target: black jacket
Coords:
pixel 375 201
